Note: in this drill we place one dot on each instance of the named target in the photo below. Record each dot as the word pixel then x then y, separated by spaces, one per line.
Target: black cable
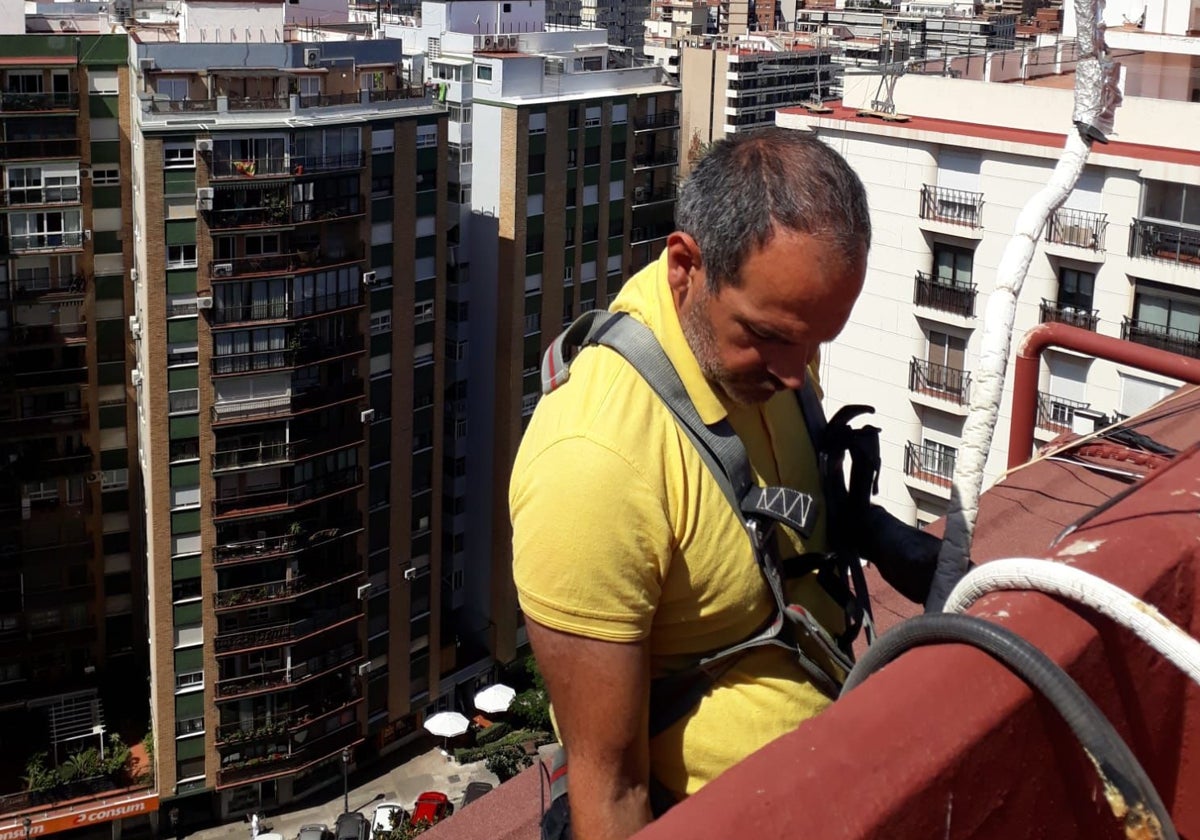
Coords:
pixel 1118 767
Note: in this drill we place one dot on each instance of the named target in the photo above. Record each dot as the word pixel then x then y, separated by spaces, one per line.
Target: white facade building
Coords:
pixel 1121 257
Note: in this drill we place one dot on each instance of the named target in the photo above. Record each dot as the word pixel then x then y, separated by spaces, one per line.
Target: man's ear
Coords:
pixel 683 265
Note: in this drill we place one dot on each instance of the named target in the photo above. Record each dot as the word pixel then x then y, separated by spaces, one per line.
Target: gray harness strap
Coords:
pixel 757 508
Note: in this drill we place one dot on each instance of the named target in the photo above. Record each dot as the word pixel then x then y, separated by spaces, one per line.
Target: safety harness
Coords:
pixel 824 658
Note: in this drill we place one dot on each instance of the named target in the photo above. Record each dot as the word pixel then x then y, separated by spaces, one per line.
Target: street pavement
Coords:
pixel 408 778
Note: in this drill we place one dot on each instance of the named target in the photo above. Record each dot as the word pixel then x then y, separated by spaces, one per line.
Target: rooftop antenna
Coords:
pixel 816 101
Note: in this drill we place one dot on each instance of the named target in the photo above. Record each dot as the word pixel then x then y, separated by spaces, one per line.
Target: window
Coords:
pixel 592 117
pixel 181 256
pixel 459 153
pixel 533 323
pixel 952 265
pixel 381 322
pixel 537 123
pixel 187 589
pixel 591 155
pixel 172 87
pixel 537 164
pixel 1171 202
pixel 423 312
pixel 462 114
pixel 572 156
pixel 41 491
pixel 179 155
pixel 189 726
pixel 483 72
pixel 106 175
pixel 114 479
pixel 620 113
pixel 1169 315
pixel 427 136
pixel 938 458
pixel 1075 289
pixel 568 275
pixel 183 401
pixel 189 680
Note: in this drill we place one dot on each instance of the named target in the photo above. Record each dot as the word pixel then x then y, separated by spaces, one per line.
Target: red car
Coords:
pixel 432 806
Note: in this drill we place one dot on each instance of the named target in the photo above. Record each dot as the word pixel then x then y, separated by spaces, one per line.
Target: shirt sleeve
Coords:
pixel 591 541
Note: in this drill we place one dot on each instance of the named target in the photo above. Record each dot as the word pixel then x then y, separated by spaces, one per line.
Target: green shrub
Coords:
pixel 493 733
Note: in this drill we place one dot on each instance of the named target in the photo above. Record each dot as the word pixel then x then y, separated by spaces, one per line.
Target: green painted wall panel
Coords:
pixel 180 378
pixel 111 373
pixel 186 614
pixel 181 282
pixel 185 522
pixel 106 197
pixel 110 287
pixel 184 427
pixel 103 107
pixel 114 459
pixel 185 475
pixel 112 416
pixel 180 232
pixel 107 151
pixel 183 329
pixel 179 181
pixel 185 568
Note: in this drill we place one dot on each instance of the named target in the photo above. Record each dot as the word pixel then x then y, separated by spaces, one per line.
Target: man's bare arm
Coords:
pixel 600 691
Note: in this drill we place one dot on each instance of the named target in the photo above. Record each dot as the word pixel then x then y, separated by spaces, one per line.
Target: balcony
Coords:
pixel 39 463
pixel 943 295
pixel 311 399
pixel 39 196
pixel 953 207
pixel 1057 414
pixel 328 163
pixel 1060 313
pixel 326 209
pixel 57 240
pixel 51 287
pixel 179 106
pixel 226 644
pixel 1166 242
pixel 1077 228
pixel 1164 338
pixel 264 453
pixel 25 103
pixel 44 421
pixel 643 196
pixel 663 157
pixel 295 262
pixel 655 122
pixel 51 147
pixel 932 464
pixel 243 597
pixel 257 361
pixel 242 732
pixel 256 501
pixel 936 380
pixel 279 310
pixel 303 673
pixel 271 548
pixel 46 335
pixel 220 168
pixel 640 235
pixel 265 767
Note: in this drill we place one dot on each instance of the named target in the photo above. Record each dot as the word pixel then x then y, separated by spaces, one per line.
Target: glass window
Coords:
pixel 483 72
pixel 1075 289
pixel 952 265
pixel 179 155
pixel 181 256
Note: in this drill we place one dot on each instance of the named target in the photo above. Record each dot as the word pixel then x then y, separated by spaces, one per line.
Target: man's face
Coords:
pixel 758 338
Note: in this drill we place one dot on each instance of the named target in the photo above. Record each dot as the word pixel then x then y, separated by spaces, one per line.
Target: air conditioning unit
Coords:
pixel 222 270
pixel 489 42
pixel 135 376
pixel 204 302
pixel 364 668
pixel 87 235
pixel 147 64
pixel 94 477
pixel 204 198
pixel 204 144
pixel 452 254
pixel 135 327
pixel 639 194
pixel 363 590
pixel 133 275
pixel 410 573
pixel 368 415
pixel 312 57
pixel 513 44
pixel 369 278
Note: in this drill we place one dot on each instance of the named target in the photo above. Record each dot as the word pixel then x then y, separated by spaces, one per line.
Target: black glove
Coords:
pixel 905 556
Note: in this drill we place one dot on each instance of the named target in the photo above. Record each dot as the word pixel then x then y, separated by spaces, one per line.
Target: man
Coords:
pixel 628 559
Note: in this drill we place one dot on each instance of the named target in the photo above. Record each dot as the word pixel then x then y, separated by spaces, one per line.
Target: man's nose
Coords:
pixel 790 369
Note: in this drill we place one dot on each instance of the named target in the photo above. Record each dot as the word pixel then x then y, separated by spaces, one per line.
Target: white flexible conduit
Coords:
pixel 1021 573
pixel 1096 98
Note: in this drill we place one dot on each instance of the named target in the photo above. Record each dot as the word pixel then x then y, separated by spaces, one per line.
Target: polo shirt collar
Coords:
pixel 658 312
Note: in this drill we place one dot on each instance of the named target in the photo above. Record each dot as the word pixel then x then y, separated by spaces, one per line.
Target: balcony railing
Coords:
pixel 955 207
pixel 328 163
pixel 1078 228
pixel 256 361
pixel 26 102
pixel 301 673
pixel 650 233
pixel 33 335
pixel 265 215
pixel 944 295
pixel 42 421
pixel 284 634
pixel 179 106
pixel 45 241
pixel 663 157
pixel 643 196
pixel 295 261
pixel 307 400
pixel 39 196
pixel 268 103
pixel 663 119
pixel 281 590
pixel 249 167
pixel 1060 313
pixel 66 286
pixel 269 548
pixel 1057 414
pixel 1183 342
pixel 929 463
pixel 940 381
pixel 269 452
pixel 325 209
pixel 247 502
pixel 1163 241
pixel 275 764
pixel 51 147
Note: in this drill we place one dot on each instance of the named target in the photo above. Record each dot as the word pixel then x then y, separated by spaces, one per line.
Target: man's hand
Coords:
pixel 600 692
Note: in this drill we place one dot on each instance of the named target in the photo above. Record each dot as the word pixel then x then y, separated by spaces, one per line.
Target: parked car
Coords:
pixel 474 791
pixel 432 806
pixel 316 831
pixel 352 826
pixel 389 816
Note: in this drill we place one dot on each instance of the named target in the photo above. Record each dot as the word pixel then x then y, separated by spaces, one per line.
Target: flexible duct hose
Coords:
pixel 1024 573
pixel 1129 792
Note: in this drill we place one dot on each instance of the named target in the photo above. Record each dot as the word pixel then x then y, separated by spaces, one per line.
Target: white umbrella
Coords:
pixel 447 724
pixel 495 698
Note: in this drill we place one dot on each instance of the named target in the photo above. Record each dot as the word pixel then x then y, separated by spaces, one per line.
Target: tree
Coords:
pixel 532 706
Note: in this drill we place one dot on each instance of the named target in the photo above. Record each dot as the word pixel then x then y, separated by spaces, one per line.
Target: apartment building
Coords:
pixel 928 29
pixel 733 86
pixel 672 22
pixel 72 650
pixel 288 329
pixel 1118 258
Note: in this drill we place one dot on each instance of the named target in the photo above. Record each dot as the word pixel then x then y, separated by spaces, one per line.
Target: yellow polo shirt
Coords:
pixel 620 533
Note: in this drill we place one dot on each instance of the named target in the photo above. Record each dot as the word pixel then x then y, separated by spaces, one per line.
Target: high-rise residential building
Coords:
pixel 672 22
pixel 288 295
pixel 72 630
pixel 928 29
pixel 946 186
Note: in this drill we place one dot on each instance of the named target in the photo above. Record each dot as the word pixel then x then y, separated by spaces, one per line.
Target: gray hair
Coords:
pixel 749 185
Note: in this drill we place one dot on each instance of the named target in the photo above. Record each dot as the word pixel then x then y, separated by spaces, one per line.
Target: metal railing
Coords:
pixel 177 106
pixel 663 157
pixel 1163 241
pixel 264 453
pixel 50 147
pixel 1060 313
pixel 40 196
pixel 1057 414
pixel 307 164
pixel 239 503
pixel 30 335
pixel 311 398
pixel 643 196
pixel 663 119
pixel 939 380
pixel 256 361
pixel 1183 342
pixel 248 167
pixel 929 463
pixel 26 289
pixel 282 634
pixel 274 764
pixel 1078 228
pixel 324 209
pixel 45 241
pixel 945 295
pixel 955 207
pixel 639 235
pixel 280 590
pixel 267 548
pixel 266 103
pixel 39 101
pixel 294 261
